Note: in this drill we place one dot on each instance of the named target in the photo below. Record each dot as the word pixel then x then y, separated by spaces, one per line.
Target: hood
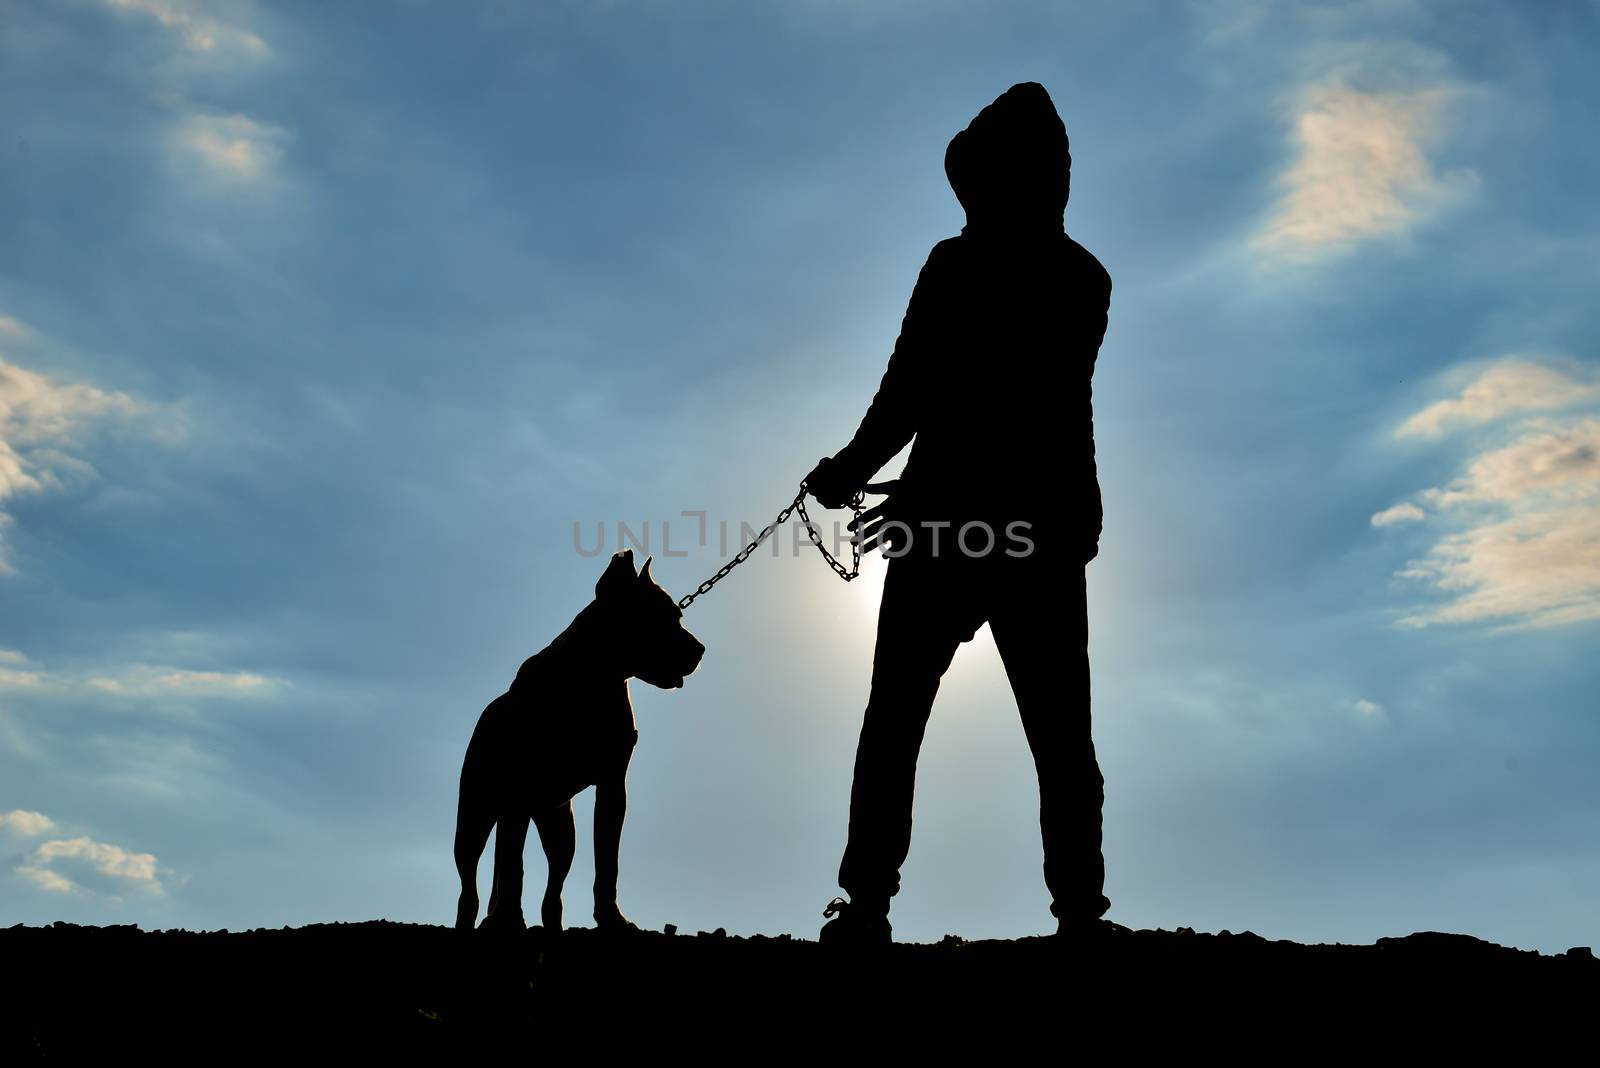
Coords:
pixel 1010 167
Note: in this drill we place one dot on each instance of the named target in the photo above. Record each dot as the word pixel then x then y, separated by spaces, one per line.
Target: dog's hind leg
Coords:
pixel 474 821
pixel 560 840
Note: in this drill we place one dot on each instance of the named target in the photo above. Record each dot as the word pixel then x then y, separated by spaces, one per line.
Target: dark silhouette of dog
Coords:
pixel 567 724
pixel 997 512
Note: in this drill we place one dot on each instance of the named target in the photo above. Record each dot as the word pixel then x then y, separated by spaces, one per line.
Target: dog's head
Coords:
pixel 658 648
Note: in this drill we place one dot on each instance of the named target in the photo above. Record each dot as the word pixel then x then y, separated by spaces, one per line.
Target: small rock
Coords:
pixel 670 929
pixel 1581 951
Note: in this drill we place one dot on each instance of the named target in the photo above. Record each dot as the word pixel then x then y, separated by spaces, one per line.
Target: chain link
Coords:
pixel 797 505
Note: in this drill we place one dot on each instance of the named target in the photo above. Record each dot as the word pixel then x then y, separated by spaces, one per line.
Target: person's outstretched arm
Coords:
pixel 896 409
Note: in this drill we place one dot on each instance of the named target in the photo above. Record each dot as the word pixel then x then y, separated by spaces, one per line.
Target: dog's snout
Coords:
pixel 695 651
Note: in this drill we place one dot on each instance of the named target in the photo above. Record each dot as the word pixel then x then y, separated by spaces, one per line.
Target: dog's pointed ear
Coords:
pixel 618 575
pixel 644 572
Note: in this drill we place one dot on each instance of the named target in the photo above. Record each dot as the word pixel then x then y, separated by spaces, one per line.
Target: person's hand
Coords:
pixel 883 525
pixel 829 484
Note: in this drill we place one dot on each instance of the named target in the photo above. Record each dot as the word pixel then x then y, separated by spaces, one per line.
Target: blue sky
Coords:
pixel 321 325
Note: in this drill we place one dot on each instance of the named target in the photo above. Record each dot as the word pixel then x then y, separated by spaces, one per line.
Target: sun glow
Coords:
pixel 867 589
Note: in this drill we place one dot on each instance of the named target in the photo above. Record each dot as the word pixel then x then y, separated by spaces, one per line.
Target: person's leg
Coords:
pixel 920 625
pixel 1040 627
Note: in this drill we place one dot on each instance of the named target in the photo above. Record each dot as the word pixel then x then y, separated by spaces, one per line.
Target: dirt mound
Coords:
pixel 414 991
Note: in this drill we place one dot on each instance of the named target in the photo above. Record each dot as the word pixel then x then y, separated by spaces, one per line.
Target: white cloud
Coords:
pixel 12 656
pixel 1362 170
pixel 35 409
pixel 1506 387
pixel 1367 709
pixel 198 32
pixel 45 879
pixel 12 679
pixel 32 824
pixel 110 861
pixel 1522 547
pixel 1533 570
pixel 14 329
pixel 1548 463
pixel 40 419
pixel 1404 512
pixel 145 680
pixel 233 148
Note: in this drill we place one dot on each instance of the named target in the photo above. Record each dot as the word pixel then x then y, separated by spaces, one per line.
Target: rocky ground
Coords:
pixel 418 992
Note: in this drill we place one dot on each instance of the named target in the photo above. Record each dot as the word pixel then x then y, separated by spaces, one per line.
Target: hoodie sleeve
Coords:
pixel 893 417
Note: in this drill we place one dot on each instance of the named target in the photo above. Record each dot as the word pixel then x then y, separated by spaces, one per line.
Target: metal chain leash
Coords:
pixel 797 505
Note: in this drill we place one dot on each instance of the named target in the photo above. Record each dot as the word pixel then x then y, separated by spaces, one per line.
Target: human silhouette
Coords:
pixel 998 510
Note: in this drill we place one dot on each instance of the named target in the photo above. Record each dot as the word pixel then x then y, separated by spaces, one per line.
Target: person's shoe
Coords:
pixel 853 924
pixel 1087 933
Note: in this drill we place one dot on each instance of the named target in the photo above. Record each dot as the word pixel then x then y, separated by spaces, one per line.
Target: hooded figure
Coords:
pixel 991 372
pixel 998 509
pixel 1011 167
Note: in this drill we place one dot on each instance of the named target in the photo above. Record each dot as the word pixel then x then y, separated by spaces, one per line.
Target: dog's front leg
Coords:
pixel 610 810
pixel 505 900
pixel 560 840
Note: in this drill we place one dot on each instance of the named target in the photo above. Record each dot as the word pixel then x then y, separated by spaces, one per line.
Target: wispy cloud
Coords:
pixel 14 330
pixel 1404 512
pixel 1522 546
pixel 232 148
pixel 196 26
pixel 12 679
pixel 1547 459
pixel 31 824
pixel 1226 20
pixel 1508 387
pixel 42 424
pixel 1361 169
pixel 52 865
pixel 227 150
pixel 46 879
pixel 123 867
pixel 146 680
pixel 35 409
